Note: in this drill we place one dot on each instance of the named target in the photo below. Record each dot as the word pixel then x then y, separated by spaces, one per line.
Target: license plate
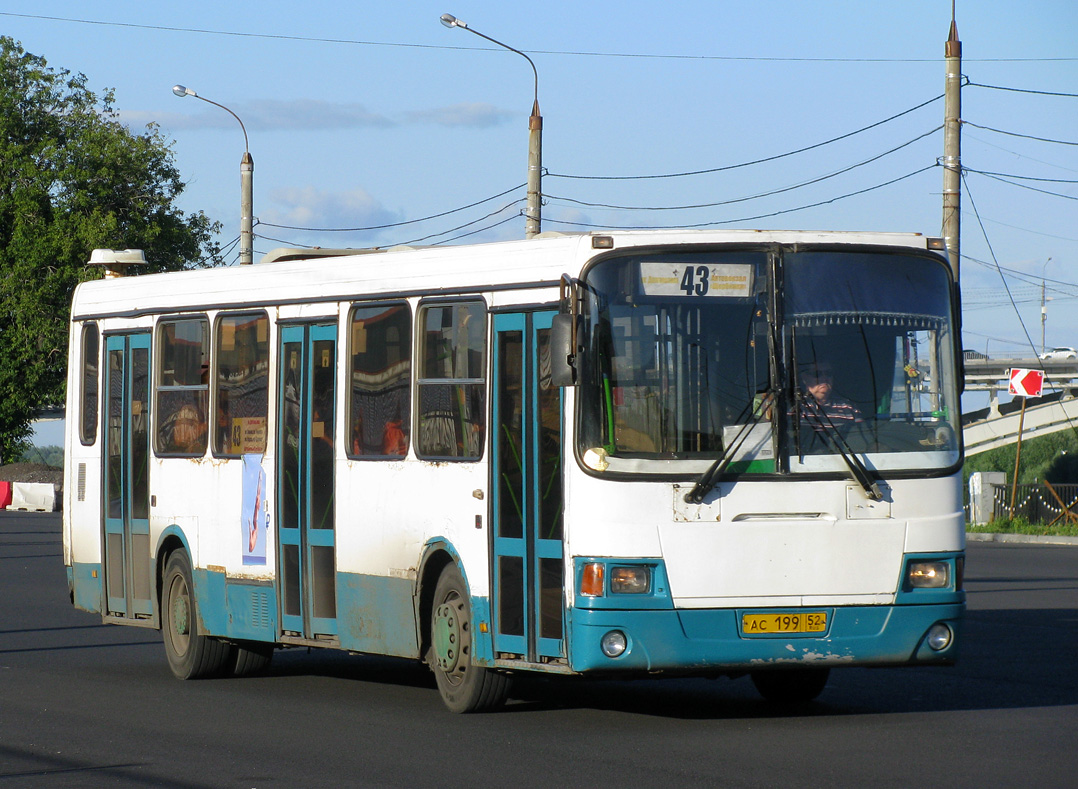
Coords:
pixel 766 624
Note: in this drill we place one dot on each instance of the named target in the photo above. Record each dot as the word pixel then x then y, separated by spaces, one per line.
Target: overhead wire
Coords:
pixel 747 218
pixel 764 160
pixel 1017 134
pixel 771 193
pixel 1017 313
pixel 395 224
pixel 577 53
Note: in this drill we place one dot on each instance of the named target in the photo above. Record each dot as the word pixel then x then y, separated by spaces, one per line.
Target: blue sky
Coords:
pixel 370 114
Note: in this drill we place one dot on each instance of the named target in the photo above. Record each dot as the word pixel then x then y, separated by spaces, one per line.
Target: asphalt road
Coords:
pixel 83 704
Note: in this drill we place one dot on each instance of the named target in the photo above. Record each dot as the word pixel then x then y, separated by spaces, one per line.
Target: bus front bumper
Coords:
pixel 712 641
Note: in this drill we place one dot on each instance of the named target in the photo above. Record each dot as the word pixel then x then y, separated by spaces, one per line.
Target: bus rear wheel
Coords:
pixel 191 655
pixel 464 687
pixel 791 685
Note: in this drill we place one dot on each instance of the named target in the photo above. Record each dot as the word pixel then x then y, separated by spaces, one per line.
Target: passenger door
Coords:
pixel 527 500
pixel 306 405
pixel 127 477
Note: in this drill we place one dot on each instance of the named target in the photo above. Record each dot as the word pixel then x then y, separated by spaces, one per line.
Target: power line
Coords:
pixel 1024 177
pixel 747 218
pixel 1016 134
pixel 468 224
pixel 574 53
pixel 1023 90
pixel 1025 186
pixel 750 163
pixel 394 224
pixel 820 179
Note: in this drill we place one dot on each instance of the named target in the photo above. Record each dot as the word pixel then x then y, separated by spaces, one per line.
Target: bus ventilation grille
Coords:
pixel 260 616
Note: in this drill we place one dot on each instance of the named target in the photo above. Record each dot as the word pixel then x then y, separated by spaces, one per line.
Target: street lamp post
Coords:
pixel 533 212
pixel 247 169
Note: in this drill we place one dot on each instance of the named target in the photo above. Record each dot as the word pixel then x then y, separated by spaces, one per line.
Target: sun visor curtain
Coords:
pixel 832 288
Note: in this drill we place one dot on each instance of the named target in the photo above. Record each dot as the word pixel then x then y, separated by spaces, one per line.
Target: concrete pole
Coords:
pixel 533 211
pixel 247 169
pixel 952 148
pixel 533 221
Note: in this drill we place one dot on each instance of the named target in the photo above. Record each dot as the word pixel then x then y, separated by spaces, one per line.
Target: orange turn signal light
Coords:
pixel 591 579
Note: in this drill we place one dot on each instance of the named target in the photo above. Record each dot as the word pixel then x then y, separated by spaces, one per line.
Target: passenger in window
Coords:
pixel 394 439
pixel 189 430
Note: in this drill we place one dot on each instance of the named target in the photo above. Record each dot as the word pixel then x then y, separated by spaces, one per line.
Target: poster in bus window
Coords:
pixel 253 519
pixel 248 434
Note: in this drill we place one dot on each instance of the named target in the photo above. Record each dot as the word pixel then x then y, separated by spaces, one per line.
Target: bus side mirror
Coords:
pixel 563 356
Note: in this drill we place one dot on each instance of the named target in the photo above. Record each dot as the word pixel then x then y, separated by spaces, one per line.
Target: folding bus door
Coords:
pixel 127 471
pixel 527 502
pixel 306 530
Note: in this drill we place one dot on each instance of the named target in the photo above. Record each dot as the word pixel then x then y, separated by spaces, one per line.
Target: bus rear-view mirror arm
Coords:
pixel 564 353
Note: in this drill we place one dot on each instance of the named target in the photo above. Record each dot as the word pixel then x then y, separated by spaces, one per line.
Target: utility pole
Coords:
pixel 952 146
pixel 1044 301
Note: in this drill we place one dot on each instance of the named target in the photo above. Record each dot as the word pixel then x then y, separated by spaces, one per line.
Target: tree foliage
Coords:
pixel 73 178
pixel 1053 457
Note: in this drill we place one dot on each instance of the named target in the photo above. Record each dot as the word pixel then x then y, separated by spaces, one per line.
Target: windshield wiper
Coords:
pixel 710 478
pixel 838 442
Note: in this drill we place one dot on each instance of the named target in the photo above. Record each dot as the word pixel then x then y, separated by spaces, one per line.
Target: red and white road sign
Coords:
pixel 1026 383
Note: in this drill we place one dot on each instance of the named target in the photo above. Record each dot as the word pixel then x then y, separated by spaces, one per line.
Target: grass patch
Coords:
pixel 1022 526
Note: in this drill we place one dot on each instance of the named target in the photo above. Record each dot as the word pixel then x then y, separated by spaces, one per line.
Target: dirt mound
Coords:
pixel 32 472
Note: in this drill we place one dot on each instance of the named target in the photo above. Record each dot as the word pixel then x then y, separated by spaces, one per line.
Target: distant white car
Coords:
pixel 1060 353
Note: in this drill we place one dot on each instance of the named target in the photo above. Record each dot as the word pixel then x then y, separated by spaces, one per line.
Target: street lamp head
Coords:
pixel 181 91
pixel 451 21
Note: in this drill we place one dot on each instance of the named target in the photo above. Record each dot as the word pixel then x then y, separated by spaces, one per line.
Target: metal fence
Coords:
pixel 1038 503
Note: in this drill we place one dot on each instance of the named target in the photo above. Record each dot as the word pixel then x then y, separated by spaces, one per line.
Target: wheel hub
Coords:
pixel 180 617
pixel 446 637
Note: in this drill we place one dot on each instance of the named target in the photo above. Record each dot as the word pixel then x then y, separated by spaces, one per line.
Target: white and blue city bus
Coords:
pixel 595 455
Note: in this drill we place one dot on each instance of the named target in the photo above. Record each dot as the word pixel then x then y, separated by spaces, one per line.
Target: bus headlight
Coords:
pixel 613 643
pixel 630 580
pixel 928 575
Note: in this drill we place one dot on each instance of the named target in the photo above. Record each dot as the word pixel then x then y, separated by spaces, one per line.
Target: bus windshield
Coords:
pixel 773 361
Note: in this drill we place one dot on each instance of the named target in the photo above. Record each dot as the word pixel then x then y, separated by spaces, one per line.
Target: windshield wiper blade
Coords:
pixel 857 468
pixel 710 478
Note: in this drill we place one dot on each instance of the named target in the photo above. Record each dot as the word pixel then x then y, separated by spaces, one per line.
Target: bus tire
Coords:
pixel 464 687
pixel 191 655
pixel 251 658
pixel 791 685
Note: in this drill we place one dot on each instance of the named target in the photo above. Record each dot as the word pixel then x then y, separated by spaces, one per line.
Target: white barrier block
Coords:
pixel 33 496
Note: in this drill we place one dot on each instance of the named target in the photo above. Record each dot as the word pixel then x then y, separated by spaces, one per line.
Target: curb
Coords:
pixel 1037 539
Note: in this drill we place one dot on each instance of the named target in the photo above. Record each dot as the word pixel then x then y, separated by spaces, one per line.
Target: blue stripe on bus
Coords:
pixel 703 639
pixel 376 614
pixel 86 578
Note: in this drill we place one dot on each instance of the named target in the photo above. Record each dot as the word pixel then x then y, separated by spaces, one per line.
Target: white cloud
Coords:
pixel 308 207
pixel 312 114
pixel 475 115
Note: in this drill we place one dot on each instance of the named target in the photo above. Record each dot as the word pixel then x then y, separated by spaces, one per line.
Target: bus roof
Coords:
pixel 299 276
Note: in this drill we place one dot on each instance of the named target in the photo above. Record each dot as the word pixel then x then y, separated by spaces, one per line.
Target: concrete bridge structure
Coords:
pixel 997 425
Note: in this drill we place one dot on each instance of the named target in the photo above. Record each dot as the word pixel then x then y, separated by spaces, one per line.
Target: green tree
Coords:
pixel 73 178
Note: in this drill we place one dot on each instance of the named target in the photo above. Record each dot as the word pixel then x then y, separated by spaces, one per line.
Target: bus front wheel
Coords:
pixel 791 685
pixel 191 655
pixel 464 687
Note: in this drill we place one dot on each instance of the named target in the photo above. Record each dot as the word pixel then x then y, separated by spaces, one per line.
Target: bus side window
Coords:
pixel 451 383
pixel 182 386
pixel 379 391
pixel 241 367
pixel 90 353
